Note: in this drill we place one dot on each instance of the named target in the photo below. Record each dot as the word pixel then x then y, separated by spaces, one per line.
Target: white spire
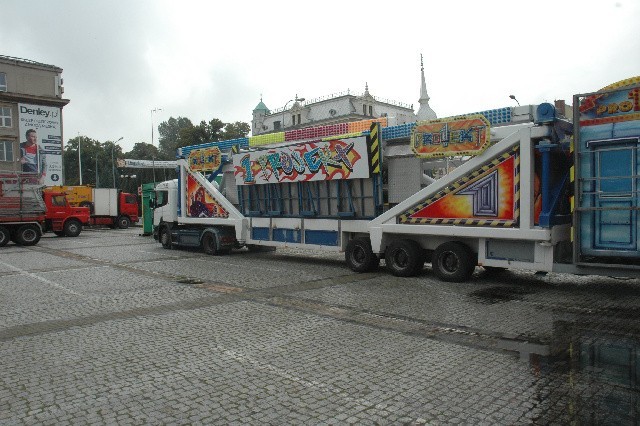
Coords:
pixel 424 112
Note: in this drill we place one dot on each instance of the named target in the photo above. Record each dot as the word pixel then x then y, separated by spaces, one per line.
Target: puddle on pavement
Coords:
pixel 499 294
pixel 588 374
pixel 190 281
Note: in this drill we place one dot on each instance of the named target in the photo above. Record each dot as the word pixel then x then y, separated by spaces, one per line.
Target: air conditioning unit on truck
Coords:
pixel 530 191
pixel 108 206
pixel 22 209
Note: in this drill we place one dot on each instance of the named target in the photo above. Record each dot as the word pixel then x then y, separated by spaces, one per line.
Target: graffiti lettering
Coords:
pixel 320 160
pixel 311 161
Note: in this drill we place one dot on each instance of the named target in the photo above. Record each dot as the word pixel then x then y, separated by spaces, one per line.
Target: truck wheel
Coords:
pixel 4 236
pixel 359 256
pixel 72 228
pixel 123 222
pixel 209 244
pixel 27 235
pixel 405 258
pixel 453 262
pixel 165 237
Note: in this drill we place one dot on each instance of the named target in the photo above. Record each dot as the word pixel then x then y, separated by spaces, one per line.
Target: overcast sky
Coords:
pixel 209 59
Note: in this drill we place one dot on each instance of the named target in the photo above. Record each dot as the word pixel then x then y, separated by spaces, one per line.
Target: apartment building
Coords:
pixel 31 105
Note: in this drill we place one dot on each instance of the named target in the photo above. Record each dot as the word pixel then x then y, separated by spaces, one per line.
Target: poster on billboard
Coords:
pixel 41 142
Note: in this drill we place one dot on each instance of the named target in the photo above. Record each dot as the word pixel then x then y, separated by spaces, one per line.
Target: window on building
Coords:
pixel 3 82
pixel 299 119
pixel 6 151
pixel 371 110
pixel 277 125
pixel 364 110
pixel 5 117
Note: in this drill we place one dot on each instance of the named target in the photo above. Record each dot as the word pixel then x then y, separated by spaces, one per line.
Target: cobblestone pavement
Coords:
pixel 109 328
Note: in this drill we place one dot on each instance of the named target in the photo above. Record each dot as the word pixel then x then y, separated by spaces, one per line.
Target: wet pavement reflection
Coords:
pixel 588 370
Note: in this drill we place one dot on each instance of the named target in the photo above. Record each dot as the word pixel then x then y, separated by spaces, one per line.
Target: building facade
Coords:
pixel 337 108
pixel 332 109
pixel 31 105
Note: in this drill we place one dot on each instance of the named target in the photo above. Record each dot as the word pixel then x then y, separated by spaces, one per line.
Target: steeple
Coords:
pixel 424 112
pixel 261 107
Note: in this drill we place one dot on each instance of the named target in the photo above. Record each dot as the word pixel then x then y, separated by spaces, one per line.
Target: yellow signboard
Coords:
pixel 205 159
pixel 464 135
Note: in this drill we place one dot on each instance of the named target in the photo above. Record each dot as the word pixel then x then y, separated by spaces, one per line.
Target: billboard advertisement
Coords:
pixel 40 130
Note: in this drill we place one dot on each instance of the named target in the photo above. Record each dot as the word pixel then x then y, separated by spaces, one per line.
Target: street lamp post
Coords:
pixel 79 159
pixel 284 108
pixel 113 165
pixel 152 111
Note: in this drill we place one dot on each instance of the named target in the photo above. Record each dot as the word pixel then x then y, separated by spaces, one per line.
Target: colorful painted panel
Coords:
pixel 468 135
pixel 200 203
pixel 267 139
pixel 490 196
pixel 321 160
pixel 610 107
pixel 205 159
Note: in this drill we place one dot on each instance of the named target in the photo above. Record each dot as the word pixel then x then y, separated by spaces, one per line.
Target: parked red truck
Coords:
pixel 108 206
pixel 26 211
pixel 62 218
pixel 22 209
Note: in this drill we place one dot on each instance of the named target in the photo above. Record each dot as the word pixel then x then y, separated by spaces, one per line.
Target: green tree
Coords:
pixel 144 151
pixel 235 130
pixel 94 159
pixel 179 132
pixel 172 134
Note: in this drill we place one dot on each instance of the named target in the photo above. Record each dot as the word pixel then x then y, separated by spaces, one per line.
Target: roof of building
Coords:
pixel 17 61
pixel 261 107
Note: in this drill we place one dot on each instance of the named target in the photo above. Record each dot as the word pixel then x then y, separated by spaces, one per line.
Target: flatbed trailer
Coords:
pixel 530 190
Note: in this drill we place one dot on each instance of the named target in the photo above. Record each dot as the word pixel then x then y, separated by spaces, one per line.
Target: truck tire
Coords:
pixel 5 236
pixel 209 245
pixel 404 258
pixel 165 237
pixel 123 222
pixel 72 228
pixel 27 235
pixel 359 256
pixel 453 262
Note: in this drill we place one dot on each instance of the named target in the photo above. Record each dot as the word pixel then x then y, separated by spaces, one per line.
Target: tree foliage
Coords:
pixel 178 132
pixel 99 159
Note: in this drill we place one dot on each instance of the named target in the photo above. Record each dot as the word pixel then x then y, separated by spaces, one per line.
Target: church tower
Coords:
pixel 424 112
pixel 259 114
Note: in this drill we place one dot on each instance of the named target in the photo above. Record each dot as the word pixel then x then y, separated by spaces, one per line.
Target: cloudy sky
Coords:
pixel 206 59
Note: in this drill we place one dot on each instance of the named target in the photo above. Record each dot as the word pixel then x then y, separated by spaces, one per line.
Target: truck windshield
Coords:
pixel 58 200
pixel 161 198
